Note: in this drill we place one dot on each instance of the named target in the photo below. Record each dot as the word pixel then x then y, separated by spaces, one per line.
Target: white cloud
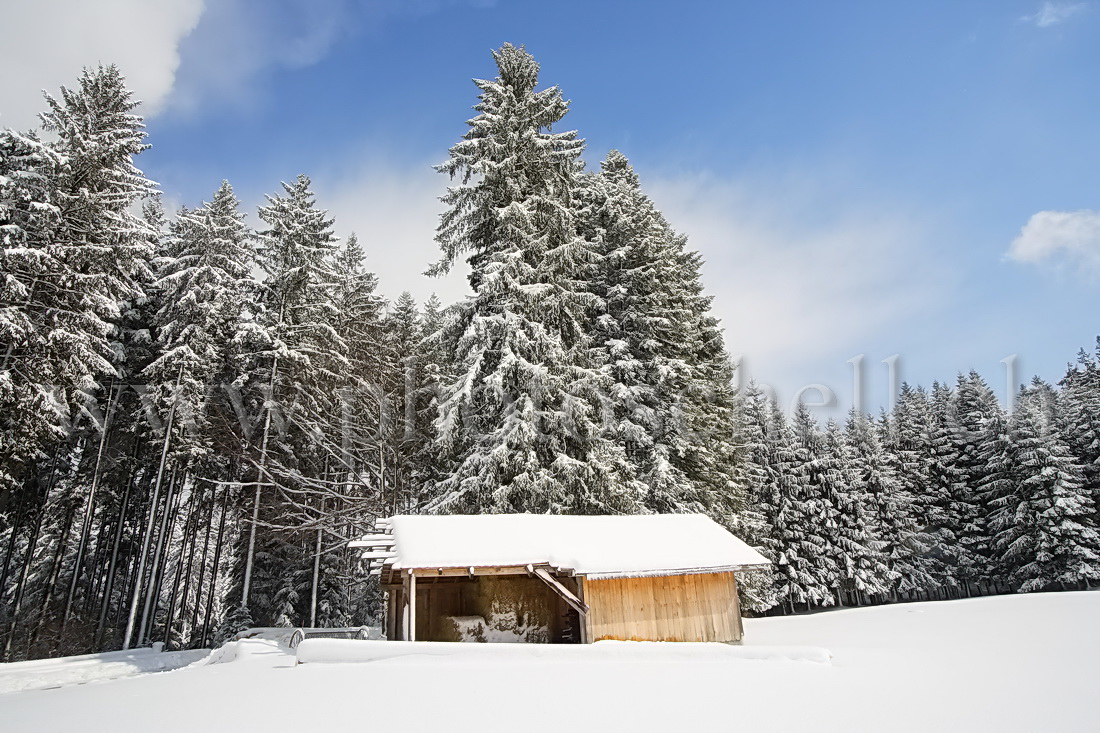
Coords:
pixel 239 39
pixel 183 54
pixel 792 284
pixel 1059 235
pixel 45 43
pixel 394 211
pixel 1052 13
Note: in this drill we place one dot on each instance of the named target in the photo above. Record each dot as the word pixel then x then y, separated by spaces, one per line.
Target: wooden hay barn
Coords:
pixel 556 578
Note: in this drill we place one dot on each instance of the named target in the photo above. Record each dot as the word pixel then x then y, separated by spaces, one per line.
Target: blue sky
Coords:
pixel 919 179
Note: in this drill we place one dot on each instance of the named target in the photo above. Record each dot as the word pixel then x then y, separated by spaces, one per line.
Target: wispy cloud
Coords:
pixel 792 282
pixel 1060 237
pixel 239 41
pixel 44 44
pixel 1052 13
pixel 393 209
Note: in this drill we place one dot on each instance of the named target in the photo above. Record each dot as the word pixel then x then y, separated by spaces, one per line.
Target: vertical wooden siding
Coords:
pixel 700 607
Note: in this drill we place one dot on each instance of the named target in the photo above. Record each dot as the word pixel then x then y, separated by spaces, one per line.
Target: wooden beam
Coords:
pixel 583 620
pixel 371 545
pixel 405 607
pixel 470 572
pixel 377 555
pixel 737 607
pixel 544 575
pixel 412 606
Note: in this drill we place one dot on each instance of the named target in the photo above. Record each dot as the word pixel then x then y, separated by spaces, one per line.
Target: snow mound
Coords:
pixel 242 649
pixel 313 651
pixel 44 674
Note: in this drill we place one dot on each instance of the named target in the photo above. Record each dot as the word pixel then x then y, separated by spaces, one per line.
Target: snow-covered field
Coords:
pixel 1022 663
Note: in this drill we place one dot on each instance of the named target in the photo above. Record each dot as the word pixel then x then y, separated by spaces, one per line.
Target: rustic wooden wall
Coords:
pixel 700 607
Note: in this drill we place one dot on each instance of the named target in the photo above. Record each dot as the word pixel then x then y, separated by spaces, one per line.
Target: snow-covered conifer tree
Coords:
pixel 1044 534
pixel 519 429
pixel 1081 391
pixel 29 267
pixel 890 510
pixel 302 370
pixel 951 505
pixel 761 483
pixel 665 369
pixel 980 457
pixel 802 519
pixel 208 310
pixel 905 436
pixel 852 542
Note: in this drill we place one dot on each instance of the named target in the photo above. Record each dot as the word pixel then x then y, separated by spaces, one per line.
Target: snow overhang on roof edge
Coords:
pixel 625 546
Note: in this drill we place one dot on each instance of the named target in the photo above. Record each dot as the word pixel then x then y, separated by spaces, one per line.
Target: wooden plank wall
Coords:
pixel 700 607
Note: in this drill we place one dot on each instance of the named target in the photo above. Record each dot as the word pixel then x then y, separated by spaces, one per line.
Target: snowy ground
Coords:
pixel 1023 663
pixel 46 674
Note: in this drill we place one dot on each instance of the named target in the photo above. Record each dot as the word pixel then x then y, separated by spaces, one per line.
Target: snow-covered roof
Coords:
pixel 650 544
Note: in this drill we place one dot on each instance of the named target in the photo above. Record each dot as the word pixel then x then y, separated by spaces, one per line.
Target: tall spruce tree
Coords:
pixel 31 265
pixel 761 482
pixel 519 429
pixel 88 253
pixel 980 456
pixel 1081 391
pixel 664 366
pixel 302 370
pixel 1043 530
pixel 852 542
pixel 802 518
pixel 906 436
pixel 208 312
pixel 890 510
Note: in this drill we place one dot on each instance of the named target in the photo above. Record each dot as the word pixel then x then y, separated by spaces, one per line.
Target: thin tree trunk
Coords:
pixel 316 570
pixel 188 531
pixel 112 568
pixel 89 511
pixel 19 588
pixel 214 569
pixel 100 548
pixel 152 515
pixel 202 568
pixel 163 541
pixel 54 574
pixel 166 554
pixel 17 514
pixel 260 473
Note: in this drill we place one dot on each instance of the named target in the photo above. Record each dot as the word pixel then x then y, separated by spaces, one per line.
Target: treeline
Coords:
pixel 946 496
pixel 186 448
pixel 197 415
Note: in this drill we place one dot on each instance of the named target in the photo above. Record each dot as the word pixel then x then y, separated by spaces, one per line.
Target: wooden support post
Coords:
pixel 404 604
pixel 412 606
pixel 737 608
pixel 582 618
